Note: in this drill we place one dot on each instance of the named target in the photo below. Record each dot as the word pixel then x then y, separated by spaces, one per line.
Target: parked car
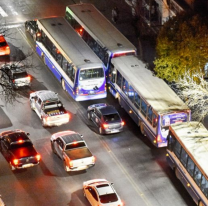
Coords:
pixel 101 192
pixel 4 47
pixel 106 118
pixel 73 150
pixel 18 149
pixel 32 28
pixel 49 108
pixel 15 74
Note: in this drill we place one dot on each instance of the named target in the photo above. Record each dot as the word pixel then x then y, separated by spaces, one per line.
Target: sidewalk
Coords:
pixel 145 44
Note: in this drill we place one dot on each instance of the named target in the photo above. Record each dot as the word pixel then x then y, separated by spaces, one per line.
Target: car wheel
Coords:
pixel 63 84
pixel 52 147
pixel 89 115
pixel 31 105
pixel 100 130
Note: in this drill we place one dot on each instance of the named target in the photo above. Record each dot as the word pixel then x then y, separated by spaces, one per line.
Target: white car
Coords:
pixel 100 192
pixel 49 108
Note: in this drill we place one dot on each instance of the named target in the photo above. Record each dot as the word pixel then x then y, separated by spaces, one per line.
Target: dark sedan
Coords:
pixel 18 149
pixel 106 118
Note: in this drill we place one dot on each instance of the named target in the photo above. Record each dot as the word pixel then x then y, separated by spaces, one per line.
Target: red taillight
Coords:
pixel 38 157
pixel 122 204
pixel 122 123
pixel 70 163
pixel 159 138
pixel 28 78
pixel 93 159
pixel 15 161
pixel 105 126
pixel 75 142
pixel 77 90
pixel 7 48
pixel 38 34
pixel 68 116
pixel 20 141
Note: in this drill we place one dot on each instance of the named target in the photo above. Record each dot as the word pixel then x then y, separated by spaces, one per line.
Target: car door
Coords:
pixel 5 148
pixel 92 196
pixel 38 106
pixel 59 145
pixel 96 117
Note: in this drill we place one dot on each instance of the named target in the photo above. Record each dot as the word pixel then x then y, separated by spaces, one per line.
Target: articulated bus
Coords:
pixel 150 102
pixel 74 64
pixel 102 37
pixel 187 154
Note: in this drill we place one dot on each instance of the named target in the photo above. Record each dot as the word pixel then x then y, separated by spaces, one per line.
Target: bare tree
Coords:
pixel 193 90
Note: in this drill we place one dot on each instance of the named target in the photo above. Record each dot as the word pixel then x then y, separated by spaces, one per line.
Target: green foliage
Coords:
pixel 182 45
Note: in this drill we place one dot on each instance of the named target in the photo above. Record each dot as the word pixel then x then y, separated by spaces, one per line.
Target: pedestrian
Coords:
pixel 115 14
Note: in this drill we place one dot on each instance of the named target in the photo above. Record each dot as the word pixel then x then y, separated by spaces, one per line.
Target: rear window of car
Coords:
pixel 3 44
pixel 20 75
pixel 111 117
pixel 17 145
pixel 107 198
pixel 75 145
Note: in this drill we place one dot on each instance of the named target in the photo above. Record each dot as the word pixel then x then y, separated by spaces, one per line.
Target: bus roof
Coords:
pixel 193 136
pixel 71 45
pixel 98 26
pixel 153 89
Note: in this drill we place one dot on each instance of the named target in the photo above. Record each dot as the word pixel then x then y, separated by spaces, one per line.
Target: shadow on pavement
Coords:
pixel 4 120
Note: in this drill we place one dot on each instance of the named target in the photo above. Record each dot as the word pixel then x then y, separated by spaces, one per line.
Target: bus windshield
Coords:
pixel 86 74
pixel 169 119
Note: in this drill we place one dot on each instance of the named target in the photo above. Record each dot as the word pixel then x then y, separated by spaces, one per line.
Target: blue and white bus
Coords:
pixel 74 64
pixel 187 154
pixel 99 33
pixel 150 102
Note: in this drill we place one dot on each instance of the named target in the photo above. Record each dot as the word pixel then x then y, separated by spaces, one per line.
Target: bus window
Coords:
pixel 71 72
pixel 125 86
pixel 184 157
pixel 119 79
pixel 131 93
pixel 143 108
pixel 149 115
pixel 155 120
pixel 197 176
pixel 177 149
pixel 204 186
pixel 190 167
pixel 137 101
pixel 59 59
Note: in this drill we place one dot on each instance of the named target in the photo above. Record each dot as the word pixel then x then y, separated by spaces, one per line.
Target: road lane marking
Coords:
pixel 13 10
pixel 129 178
pixel 2 12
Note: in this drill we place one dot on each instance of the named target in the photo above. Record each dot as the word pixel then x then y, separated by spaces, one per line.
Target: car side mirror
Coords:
pixel 112 183
pixel 28 134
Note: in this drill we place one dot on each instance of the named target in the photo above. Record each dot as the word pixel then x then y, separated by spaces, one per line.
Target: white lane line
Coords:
pixel 13 10
pixel 3 13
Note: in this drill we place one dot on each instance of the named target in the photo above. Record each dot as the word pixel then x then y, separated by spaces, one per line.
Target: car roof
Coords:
pixel 15 135
pixel 2 39
pixel 69 138
pixel 104 188
pixel 108 110
pixel 47 95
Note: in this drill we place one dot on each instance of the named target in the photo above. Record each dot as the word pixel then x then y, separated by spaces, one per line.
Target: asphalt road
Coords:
pixel 139 171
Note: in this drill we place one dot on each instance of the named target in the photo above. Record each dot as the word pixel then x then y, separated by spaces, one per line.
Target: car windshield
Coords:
pixel 17 145
pixel 111 117
pixel 91 73
pixel 107 198
pixel 20 75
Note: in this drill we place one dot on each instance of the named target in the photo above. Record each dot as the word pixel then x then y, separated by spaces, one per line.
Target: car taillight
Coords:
pixel 68 116
pixel 105 126
pixel 28 78
pixel 93 159
pixel 70 163
pixel 122 123
pixel 15 161
pixel 7 48
pixel 38 34
pixel 159 138
pixel 38 157
pixel 122 204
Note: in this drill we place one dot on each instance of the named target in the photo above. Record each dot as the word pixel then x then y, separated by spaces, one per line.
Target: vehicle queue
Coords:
pixel 98 191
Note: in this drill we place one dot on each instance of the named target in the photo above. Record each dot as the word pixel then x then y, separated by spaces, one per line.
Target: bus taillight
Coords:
pixel 77 90
pixel 159 138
